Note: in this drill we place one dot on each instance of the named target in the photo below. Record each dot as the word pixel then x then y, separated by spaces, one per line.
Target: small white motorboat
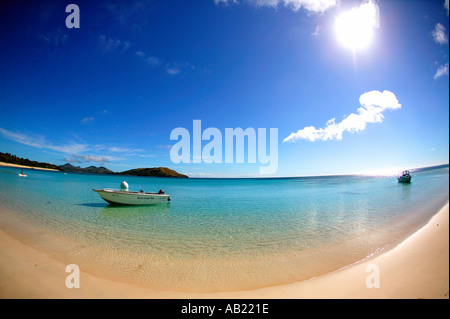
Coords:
pixel 405 177
pixel 126 197
pixel 22 174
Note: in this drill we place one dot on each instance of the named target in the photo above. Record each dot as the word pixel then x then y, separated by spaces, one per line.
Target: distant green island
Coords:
pixel 154 171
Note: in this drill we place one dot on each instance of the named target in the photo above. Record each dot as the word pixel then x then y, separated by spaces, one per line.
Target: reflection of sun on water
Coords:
pixel 384 172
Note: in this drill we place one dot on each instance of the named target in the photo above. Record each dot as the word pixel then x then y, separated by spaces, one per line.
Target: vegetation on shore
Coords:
pixel 154 171
pixel 13 159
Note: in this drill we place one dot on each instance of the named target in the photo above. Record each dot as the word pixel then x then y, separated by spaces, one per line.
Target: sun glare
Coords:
pixel 355 28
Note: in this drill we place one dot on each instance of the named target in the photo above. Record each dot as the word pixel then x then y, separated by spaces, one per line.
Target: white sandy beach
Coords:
pixel 29 167
pixel 416 268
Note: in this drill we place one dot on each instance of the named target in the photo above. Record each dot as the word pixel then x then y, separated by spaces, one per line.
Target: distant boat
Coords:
pixel 405 177
pixel 22 174
pixel 126 197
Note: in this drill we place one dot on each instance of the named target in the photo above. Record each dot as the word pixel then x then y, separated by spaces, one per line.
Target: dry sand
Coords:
pixel 416 268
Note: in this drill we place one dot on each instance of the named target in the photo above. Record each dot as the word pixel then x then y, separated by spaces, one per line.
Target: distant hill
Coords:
pixel 91 169
pixel 13 159
pixel 422 169
pixel 155 171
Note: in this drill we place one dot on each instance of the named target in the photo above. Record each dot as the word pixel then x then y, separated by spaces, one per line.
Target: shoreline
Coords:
pixel 418 267
pixel 28 167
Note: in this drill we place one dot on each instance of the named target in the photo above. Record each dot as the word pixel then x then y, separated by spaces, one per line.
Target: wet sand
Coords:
pixel 418 267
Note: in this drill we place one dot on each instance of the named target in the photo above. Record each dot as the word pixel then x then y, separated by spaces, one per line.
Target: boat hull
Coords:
pixel 132 198
pixel 404 179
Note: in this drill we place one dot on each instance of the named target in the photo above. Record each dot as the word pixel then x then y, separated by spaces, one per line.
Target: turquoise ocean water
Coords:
pixel 218 234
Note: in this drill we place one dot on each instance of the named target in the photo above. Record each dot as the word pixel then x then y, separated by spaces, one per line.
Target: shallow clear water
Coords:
pixel 222 234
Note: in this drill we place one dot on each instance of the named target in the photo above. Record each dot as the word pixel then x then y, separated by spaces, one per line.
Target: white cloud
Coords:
pixel 446 5
pixel 167 146
pixel 91 158
pixel 87 120
pixel 74 150
pixel 71 160
pixel 225 2
pixel 441 71
pixel 439 34
pixel 70 148
pixel 173 68
pixel 153 61
pixel 176 68
pixel 318 6
pixel 42 143
pixel 310 5
pixel 374 103
pixel 117 149
pixel 108 44
pixel 317 31
pixel 56 37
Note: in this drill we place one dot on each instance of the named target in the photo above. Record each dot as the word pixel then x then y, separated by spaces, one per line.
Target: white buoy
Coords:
pixel 124 186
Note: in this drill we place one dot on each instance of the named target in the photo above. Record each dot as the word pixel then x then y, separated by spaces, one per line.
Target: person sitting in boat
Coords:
pixel 161 192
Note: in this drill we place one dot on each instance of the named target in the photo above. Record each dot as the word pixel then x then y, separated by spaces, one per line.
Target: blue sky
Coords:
pixel 110 92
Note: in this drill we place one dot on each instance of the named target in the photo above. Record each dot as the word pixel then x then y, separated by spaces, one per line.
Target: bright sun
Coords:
pixel 355 28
